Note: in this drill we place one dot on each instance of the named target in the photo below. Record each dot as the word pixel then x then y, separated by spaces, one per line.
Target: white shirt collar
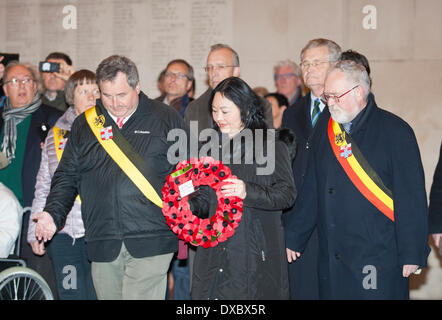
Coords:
pixel 313 98
pixel 125 119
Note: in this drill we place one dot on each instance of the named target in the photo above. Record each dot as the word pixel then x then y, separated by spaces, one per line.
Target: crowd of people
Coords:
pixel 341 215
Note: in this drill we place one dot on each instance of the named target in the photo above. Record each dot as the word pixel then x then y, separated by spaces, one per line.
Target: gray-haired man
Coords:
pixel 287 75
pixel 222 63
pixel 317 57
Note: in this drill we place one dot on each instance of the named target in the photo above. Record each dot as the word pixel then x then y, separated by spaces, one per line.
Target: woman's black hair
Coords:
pixel 280 98
pixel 251 106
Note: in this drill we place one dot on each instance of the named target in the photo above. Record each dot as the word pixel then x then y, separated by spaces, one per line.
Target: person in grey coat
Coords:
pixel 67 248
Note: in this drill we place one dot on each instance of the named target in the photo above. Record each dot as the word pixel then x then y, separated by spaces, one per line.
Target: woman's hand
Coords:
pixel 236 188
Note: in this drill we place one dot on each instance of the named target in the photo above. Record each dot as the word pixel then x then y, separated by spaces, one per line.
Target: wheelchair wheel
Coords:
pixel 19 283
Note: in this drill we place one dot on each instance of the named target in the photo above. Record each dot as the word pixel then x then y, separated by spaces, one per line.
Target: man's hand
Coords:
pixel 436 238
pixel 65 71
pixel 45 227
pixel 38 247
pixel 408 269
pixel 292 255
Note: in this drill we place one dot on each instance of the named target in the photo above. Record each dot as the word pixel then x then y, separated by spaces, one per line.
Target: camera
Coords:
pixel 46 66
pixel 8 57
pixel 44 130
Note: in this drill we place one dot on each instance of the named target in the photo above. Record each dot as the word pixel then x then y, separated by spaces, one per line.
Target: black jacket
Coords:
pixel 31 162
pixel 113 208
pixel 303 274
pixel 435 208
pixel 356 241
pixel 252 264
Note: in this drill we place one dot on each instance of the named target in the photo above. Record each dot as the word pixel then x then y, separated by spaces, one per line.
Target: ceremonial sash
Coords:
pixel 105 136
pixel 365 179
pixel 60 142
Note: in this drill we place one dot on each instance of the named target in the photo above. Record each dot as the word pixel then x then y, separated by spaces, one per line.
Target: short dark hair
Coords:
pixel 108 69
pixel 358 58
pixel 77 78
pixel 59 55
pixel 251 106
pixel 282 99
pixel 182 61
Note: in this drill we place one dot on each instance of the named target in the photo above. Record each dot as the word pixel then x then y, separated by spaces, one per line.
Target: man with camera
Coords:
pixel 23 120
pixel 55 71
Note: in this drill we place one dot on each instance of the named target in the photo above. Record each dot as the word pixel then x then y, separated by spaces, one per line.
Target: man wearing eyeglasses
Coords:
pixel 178 77
pixel 364 190
pixel 287 75
pixel 316 58
pixel 222 63
pixel 21 121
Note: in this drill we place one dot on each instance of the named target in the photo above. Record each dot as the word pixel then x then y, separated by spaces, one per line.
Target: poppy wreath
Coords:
pixel 201 232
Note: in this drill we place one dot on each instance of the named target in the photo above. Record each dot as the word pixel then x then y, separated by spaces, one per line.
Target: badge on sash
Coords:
pixel 346 151
pixel 62 144
pixel 106 133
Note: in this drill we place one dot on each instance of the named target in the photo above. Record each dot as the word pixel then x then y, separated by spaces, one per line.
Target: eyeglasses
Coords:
pixel 16 82
pixel 178 75
pixel 217 67
pixel 325 97
pixel 284 76
pixel 315 63
pixel 85 92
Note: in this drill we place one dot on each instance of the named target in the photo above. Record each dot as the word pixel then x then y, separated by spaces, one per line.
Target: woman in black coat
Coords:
pixel 251 264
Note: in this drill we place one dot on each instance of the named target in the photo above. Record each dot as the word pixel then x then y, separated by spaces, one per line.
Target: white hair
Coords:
pixel 354 72
pixel 289 63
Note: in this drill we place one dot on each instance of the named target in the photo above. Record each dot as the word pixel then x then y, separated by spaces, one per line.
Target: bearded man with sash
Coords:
pixel 116 160
pixel 365 191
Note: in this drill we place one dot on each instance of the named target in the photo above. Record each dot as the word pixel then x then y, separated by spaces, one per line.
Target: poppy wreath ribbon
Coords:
pixel 190 228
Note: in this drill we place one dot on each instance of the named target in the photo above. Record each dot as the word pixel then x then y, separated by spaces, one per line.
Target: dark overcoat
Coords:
pixel 31 161
pixel 251 264
pixel 31 164
pixel 303 275
pixel 361 251
pixel 435 206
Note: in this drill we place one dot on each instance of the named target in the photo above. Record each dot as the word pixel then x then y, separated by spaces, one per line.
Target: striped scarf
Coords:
pixel 12 117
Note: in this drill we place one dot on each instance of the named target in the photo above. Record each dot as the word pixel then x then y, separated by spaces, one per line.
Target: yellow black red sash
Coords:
pixel 60 141
pixel 365 179
pixel 105 137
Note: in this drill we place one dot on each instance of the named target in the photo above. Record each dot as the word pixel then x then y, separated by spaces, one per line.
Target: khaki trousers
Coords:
pixel 129 278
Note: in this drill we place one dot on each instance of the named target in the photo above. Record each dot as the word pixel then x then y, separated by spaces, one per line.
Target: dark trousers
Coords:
pixel 181 279
pixel 72 268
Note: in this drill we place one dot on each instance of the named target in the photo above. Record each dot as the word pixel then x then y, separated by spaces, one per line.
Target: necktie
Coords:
pixel 316 112
pixel 347 127
pixel 120 122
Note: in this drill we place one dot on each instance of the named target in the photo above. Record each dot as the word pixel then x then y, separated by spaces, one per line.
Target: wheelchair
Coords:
pixel 17 282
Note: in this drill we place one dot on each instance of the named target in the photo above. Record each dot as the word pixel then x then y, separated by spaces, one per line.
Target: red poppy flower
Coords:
pixel 201 232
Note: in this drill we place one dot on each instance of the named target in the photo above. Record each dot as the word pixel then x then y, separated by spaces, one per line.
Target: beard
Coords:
pixel 339 115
